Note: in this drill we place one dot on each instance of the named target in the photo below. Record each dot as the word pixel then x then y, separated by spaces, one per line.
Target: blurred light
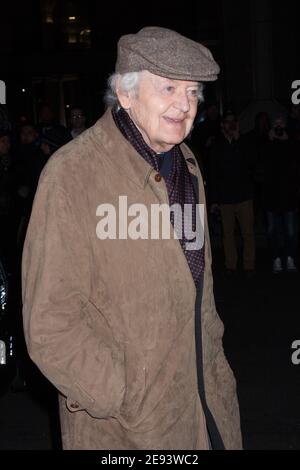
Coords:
pixel 67 105
pixel 85 31
pixel 23 90
pixel 49 19
pixel 72 18
pixel 85 37
pixel 72 38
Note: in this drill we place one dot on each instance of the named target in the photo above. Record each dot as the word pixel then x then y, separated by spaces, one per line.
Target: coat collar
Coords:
pixel 122 154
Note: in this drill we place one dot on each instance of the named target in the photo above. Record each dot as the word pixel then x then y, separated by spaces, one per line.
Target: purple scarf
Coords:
pixel 179 184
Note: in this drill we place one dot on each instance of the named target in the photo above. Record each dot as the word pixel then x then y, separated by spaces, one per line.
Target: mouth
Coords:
pixel 173 120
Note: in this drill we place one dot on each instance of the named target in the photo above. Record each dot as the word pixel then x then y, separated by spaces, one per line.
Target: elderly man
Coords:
pixel 124 324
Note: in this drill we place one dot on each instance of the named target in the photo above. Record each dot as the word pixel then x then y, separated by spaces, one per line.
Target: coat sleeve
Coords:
pixel 86 366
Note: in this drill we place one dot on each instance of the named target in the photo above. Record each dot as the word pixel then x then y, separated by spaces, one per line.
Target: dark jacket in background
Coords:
pixel 31 161
pixel 201 141
pixel 8 218
pixel 7 185
pixel 231 171
pixel 281 174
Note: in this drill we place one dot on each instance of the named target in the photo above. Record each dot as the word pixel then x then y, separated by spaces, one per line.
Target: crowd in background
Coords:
pixel 24 151
pixel 252 173
pixel 244 174
pixel 25 148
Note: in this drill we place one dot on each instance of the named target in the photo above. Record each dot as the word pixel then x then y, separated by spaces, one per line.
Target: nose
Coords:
pixel 182 101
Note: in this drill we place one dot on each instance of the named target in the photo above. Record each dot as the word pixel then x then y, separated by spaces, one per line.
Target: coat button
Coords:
pixel 74 405
pixel 157 177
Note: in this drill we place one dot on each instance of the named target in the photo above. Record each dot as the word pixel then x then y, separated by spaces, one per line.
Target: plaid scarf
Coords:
pixel 179 185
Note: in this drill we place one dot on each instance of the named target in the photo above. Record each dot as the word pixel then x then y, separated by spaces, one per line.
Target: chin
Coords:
pixel 175 139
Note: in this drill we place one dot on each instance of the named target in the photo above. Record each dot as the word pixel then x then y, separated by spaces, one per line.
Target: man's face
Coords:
pixel 28 135
pixel 163 110
pixel 4 145
pixel 230 124
pixel 77 118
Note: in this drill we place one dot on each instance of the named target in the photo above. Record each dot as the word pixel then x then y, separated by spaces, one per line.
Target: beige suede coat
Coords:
pixel 111 322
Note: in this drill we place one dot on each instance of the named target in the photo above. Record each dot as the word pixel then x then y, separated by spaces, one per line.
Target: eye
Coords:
pixel 170 88
pixel 193 93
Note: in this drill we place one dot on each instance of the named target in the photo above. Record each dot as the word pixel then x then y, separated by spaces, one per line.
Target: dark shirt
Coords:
pixel 281 175
pixel 165 163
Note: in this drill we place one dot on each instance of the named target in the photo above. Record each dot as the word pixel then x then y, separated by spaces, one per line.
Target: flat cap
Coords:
pixel 164 52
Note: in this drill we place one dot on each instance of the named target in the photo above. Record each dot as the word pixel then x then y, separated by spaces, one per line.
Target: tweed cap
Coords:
pixel 166 53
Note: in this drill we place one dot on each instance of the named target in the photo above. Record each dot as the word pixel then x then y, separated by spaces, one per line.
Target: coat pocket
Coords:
pixel 110 380
pixel 135 384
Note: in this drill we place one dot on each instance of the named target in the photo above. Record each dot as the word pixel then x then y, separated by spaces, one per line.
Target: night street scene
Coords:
pixel 127 341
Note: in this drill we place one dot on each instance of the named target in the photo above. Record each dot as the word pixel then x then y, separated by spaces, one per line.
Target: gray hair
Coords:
pixel 127 82
pixel 130 82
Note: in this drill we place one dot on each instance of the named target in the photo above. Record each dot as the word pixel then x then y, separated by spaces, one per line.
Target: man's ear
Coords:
pixel 124 98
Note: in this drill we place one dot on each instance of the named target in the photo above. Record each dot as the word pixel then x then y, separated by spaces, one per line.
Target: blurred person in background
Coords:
pixel 77 121
pixel 281 182
pixel 231 178
pixel 7 200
